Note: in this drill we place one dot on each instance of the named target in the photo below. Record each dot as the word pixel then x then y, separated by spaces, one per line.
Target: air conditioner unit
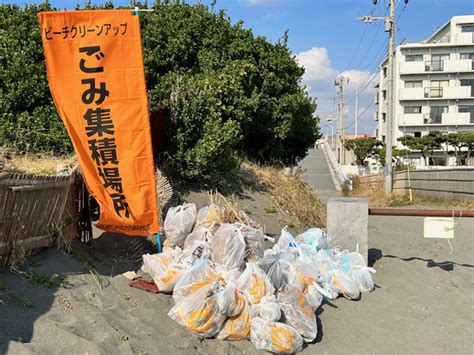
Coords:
pixel 427 94
pixel 427 67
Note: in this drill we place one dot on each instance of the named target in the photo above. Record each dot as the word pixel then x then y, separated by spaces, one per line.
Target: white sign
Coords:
pixel 439 227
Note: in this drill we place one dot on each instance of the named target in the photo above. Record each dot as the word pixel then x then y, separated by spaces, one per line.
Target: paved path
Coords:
pixel 317 174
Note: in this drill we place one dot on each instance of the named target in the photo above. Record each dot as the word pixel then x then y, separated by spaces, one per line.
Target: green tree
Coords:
pixel 228 94
pixel 425 144
pixel 462 143
pixel 363 148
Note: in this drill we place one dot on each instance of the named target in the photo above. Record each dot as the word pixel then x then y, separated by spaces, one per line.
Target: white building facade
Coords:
pixel 433 87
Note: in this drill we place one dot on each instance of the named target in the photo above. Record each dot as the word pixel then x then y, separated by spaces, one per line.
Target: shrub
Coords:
pixel 228 93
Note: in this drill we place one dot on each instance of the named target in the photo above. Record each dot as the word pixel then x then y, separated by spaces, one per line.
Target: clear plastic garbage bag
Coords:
pixel 179 222
pixel 275 337
pixel 209 217
pixel 200 233
pixel 287 243
pixel 298 313
pixel 349 261
pixel 343 283
pixel 255 284
pixel 198 250
pixel 314 237
pixel 363 278
pixel 228 247
pixel 200 275
pixel 275 266
pixel 254 242
pixel 231 301
pixel 269 309
pixel 314 295
pixel 199 312
pixel 325 261
pixel 163 268
pixel 238 326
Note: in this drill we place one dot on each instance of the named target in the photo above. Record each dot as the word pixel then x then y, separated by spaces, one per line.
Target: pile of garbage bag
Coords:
pixel 226 284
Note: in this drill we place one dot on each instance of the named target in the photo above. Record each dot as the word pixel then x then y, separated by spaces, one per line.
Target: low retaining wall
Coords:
pixel 448 183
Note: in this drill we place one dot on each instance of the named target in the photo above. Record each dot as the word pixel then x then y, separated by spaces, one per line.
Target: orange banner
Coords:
pixel 96 76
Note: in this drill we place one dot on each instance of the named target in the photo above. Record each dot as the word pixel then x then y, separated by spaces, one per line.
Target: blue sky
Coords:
pixel 325 37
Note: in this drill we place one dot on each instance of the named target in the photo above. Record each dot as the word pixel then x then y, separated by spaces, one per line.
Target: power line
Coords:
pixel 361 39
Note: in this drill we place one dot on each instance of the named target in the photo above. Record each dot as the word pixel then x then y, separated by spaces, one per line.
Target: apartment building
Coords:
pixel 433 86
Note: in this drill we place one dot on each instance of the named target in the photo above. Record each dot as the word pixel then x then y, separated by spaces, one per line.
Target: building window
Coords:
pixel 383 138
pixel 466 55
pixel 384 116
pixel 469 109
pixel 412 109
pixel 417 134
pixel 468 82
pixel 384 94
pixel 413 84
pixel 440 161
pixel 439 57
pixel 436 115
pixel 467 28
pixel 413 57
pixel 436 88
pixel 384 70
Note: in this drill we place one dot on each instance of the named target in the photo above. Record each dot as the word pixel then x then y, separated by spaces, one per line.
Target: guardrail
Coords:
pixel 336 166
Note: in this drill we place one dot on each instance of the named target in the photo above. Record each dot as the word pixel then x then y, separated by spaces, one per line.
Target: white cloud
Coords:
pixel 319 81
pixel 317 64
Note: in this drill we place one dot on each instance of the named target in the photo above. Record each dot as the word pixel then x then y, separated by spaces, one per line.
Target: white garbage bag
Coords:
pixel 163 268
pixel 228 247
pixel 199 312
pixel 275 337
pixel 179 222
pixel 237 327
pixel 299 313
pixel 254 242
pixel 231 301
pixel 343 283
pixel 275 266
pixel 208 216
pixel 200 275
pixel 363 278
pixel 200 233
pixel 314 237
pixel 255 284
pixel 269 309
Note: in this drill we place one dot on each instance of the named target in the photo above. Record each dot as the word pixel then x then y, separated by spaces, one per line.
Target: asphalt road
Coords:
pixel 316 173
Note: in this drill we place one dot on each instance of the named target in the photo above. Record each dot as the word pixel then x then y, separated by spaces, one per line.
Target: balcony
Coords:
pixel 412 68
pixel 457 118
pixel 433 92
pixel 432 118
pixel 459 66
pixel 410 119
pixel 465 38
pixel 434 65
pixel 437 66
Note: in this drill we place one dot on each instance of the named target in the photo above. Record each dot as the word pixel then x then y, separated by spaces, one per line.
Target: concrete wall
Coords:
pixel 447 183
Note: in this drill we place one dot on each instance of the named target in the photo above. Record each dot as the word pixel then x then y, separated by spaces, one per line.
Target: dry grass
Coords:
pixel 378 198
pixel 293 199
pixel 32 164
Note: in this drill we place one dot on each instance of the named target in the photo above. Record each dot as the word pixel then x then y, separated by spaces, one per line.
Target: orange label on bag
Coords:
pixel 96 76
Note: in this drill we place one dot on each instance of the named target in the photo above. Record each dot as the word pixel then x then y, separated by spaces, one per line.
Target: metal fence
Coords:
pixel 335 165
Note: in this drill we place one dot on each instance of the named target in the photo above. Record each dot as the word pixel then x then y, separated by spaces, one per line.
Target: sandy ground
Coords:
pixel 423 302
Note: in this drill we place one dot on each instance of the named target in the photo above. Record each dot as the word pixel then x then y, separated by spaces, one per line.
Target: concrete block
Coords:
pixel 348 224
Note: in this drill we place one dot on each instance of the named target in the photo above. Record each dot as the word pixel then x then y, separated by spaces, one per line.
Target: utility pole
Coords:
pixel 339 82
pixel 356 110
pixel 329 121
pixel 390 27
